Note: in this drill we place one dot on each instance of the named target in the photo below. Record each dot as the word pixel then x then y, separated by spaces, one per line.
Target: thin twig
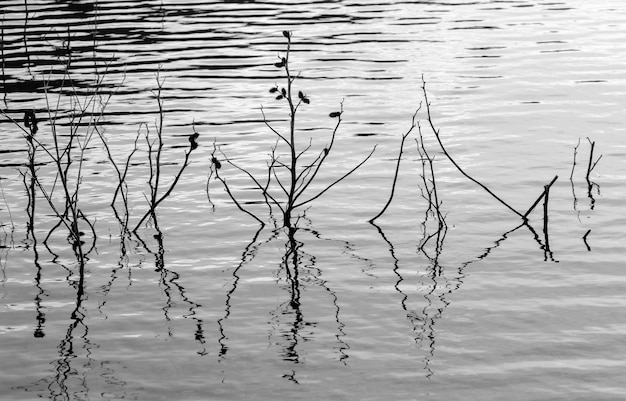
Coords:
pixel 395 176
pixel 336 181
pixel 543 194
pixel 443 148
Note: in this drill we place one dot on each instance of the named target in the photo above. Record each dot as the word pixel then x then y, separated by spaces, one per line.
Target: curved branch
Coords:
pixel 395 177
pixel 336 181
pixel 436 132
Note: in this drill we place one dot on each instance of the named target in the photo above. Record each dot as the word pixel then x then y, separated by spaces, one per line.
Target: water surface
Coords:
pixel 207 310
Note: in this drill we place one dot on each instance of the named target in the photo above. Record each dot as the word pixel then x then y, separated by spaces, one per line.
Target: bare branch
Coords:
pixel 395 176
pixel 337 180
pixel 443 148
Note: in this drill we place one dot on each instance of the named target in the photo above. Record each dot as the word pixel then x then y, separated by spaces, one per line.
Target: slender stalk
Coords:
pixel 443 148
pixel 543 194
pixel 395 176
pixel 287 181
pixel 292 141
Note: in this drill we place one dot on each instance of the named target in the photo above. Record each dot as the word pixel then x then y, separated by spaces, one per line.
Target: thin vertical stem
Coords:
pixel 395 176
pixel 292 140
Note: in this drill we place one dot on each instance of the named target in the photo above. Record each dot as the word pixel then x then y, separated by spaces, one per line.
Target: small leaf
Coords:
pixel 283 91
pixel 192 139
pixel 286 34
pixel 279 97
pixel 30 121
pixel 306 100
pixel 301 95
pixel 216 163
pixel 273 90
pixel 279 65
pixel 334 114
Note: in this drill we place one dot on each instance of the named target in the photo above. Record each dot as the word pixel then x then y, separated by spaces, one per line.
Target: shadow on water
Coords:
pixel 75 350
pixel 439 280
pixel 300 272
pixel 69 369
pixel 290 327
pixel 299 269
pixel 168 282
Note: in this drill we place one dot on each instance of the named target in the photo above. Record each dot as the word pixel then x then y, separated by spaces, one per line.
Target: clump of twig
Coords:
pixel 591 164
pixel 64 151
pixel 66 155
pixel 430 194
pixel 523 216
pixel 289 177
pixel 155 149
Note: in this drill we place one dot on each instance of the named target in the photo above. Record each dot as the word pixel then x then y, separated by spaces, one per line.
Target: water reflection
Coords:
pixel 298 272
pixel 5 247
pixel 168 282
pixel 440 281
pixel 433 289
pixel 31 239
pixel 41 316
pixel 342 346
pixel 248 255
pixel 68 380
pixel 75 339
pixel 75 350
pixel 215 49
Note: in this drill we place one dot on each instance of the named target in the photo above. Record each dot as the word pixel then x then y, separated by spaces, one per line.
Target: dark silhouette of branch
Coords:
pixel 154 160
pixel 395 176
pixel 443 148
pixel 585 239
pixel 288 177
pixel 338 180
pixel 543 194
pixel 215 167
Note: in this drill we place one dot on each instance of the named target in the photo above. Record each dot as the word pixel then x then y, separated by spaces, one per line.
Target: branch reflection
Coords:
pixel 168 281
pixel 440 281
pixel 248 255
pixel 297 274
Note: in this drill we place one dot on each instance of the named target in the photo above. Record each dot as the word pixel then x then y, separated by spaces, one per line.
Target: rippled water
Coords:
pixel 207 310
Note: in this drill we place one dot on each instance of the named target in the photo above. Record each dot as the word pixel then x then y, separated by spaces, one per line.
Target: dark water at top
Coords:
pixel 206 309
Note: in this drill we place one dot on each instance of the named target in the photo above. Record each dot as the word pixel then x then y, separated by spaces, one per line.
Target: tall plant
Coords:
pixel 287 184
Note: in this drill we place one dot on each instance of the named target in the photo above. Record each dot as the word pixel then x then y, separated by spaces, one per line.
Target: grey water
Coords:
pixel 211 307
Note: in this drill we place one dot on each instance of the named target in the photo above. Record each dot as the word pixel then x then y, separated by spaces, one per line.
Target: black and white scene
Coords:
pixel 342 200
